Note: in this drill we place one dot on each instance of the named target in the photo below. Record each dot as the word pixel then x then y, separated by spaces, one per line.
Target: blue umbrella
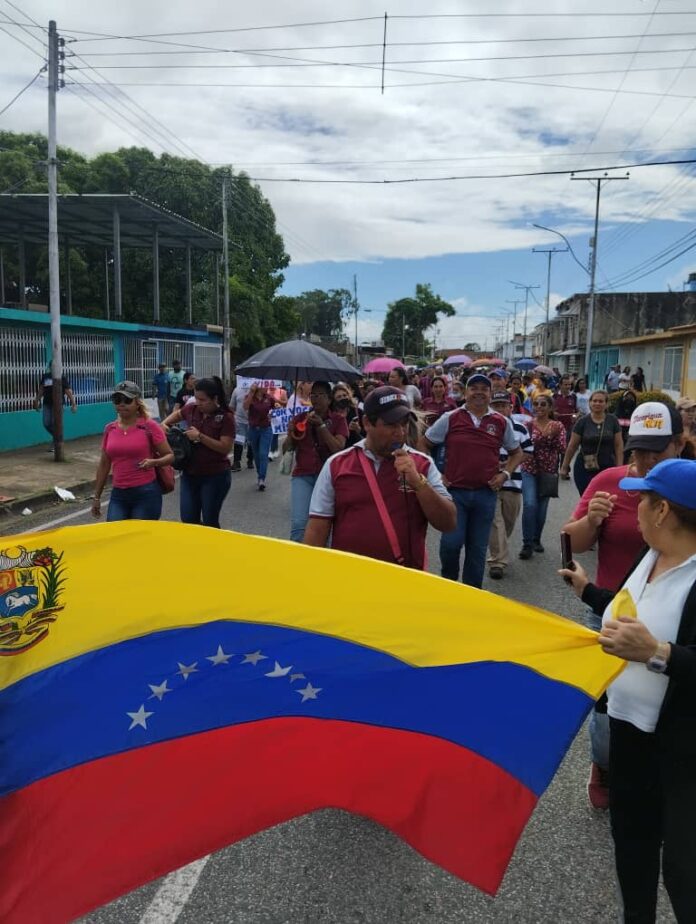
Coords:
pixel 526 363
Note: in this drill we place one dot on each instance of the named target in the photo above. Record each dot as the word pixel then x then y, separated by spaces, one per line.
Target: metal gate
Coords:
pixel 207 360
pixel 22 363
pixel 88 361
pixel 176 349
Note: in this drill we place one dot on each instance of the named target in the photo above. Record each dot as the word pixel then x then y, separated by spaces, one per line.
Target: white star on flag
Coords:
pixel 309 692
pixel 159 691
pixel 294 677
pixel 139 718
pixel 279 671
pixel 254 658
pixel 186 669
pixel 219 657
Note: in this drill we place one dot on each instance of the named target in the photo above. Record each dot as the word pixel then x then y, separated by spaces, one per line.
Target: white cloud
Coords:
pixel 475 127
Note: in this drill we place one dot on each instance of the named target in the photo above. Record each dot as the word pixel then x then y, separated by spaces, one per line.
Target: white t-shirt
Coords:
pixel 636 695
pixel 413 394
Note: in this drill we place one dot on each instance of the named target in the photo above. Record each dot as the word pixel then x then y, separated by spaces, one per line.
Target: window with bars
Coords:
pixel 88 361
pixel 672 368
pixel 22 363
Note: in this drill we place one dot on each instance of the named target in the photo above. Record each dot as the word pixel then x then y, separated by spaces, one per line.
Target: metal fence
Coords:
pixel 207 360
pixel 22 363
pixel 88 362
pixel 169 350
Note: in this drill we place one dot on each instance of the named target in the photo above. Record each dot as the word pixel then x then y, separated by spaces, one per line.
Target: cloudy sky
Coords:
pixel 470 91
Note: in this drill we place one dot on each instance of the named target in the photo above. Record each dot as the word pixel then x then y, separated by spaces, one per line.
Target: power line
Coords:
pixel 23 90
pixel 392 44
pixel 654 269
pixel 375 64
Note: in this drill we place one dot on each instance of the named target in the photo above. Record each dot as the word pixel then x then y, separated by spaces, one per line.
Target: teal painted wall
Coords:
pixel 24 428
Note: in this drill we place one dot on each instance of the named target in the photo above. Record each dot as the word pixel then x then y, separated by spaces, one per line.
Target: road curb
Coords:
pixel 43 499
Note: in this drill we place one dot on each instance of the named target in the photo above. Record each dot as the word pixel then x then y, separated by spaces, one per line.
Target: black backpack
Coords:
pixel 181 446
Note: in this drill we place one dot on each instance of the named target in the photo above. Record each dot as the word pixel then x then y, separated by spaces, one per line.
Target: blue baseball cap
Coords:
pixel 477 378
pixel 673 479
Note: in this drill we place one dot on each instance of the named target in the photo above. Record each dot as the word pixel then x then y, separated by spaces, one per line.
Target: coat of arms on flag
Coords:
pixel 31 585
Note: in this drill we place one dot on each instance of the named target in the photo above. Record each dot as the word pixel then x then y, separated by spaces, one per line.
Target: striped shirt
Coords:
pixel 514 482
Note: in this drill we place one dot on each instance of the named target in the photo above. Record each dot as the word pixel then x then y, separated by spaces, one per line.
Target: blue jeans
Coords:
pixel 201 497
pixel 533 510
pixel 47 416
pixel 141 503
pixel 301 487
pixel 260 442
pixel 475 512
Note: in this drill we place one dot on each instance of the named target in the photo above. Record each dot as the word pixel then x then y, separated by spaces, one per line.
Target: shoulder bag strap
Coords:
pixel 369 473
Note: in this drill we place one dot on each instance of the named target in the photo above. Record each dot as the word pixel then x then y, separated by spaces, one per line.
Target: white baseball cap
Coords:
pixel 653 425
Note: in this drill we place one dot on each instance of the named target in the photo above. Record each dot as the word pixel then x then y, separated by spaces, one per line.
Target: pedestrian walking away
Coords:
pixel 509 503
pixel 44 399
pixel 598 437
pixel 205 480
pixel 133 446
pixel 540 473
pixel 651 624
pixel 473 436
pixel 314 436
pixel 377 498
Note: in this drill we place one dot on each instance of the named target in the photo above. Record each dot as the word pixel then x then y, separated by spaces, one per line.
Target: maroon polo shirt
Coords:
pixel 311 452
pixel 472 453
pixel 357 526
pixel 259 410
pixel 565 408
pixel 206 461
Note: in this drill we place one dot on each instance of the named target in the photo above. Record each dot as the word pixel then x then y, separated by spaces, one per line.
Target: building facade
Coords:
pixel 96 355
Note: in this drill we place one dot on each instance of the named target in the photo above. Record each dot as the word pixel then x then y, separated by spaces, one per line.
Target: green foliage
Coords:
pixel 408 318
pixel 187 187
pixel 323 313
pixel 52 581
pixel 642 397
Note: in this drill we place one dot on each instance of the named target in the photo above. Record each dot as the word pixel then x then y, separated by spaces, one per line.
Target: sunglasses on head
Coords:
pixel 121 399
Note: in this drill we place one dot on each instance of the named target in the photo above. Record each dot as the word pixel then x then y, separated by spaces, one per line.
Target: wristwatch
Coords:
pixel 659 660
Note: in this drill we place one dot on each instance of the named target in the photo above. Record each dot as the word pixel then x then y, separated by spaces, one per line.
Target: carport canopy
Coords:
pixel 106 220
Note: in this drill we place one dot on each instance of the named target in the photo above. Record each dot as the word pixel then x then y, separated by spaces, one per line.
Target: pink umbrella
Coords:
pixel 383 364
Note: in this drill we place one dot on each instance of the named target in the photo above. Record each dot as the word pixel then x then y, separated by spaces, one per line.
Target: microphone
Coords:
pixel 394 447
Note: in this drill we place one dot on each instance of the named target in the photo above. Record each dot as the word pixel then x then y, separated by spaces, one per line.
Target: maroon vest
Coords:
pixel 357 526
pixel 471 452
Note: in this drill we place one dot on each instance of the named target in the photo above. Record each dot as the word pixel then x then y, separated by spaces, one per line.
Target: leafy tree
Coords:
pixel 408 318
pixel 187 187
pixel 472 347
pixel 324 313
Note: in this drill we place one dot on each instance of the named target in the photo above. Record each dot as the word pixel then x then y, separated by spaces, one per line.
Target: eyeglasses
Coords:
pixel 540 403
pixel 121 399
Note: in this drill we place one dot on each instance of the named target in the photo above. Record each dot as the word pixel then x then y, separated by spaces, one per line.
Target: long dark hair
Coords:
pixel 213 388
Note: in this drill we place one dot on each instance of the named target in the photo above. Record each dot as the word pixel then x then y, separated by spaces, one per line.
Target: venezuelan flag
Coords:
pixel 152 712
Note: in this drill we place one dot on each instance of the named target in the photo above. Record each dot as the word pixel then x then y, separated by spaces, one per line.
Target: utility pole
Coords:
pixel 550 251
pixel 356 307
pixel 403 336
pixel 54 53
pixel 593 265
pixel 527 290
pixel 226 359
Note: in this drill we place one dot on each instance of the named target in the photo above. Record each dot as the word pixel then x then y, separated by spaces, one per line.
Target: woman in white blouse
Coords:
pixel 652 703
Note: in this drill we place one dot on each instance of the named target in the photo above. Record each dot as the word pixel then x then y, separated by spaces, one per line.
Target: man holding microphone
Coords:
pixel 378 497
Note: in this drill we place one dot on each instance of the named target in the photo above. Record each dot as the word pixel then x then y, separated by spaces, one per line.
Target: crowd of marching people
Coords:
pixel 373 464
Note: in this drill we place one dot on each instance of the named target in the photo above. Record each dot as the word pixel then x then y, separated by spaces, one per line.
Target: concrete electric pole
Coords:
pixel 54 55
pixel 550 251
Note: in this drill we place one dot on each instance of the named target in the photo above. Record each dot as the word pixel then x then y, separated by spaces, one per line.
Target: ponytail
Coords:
pixel 213 388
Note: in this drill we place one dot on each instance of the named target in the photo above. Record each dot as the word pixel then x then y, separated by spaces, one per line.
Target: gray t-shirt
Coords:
pixel 237 405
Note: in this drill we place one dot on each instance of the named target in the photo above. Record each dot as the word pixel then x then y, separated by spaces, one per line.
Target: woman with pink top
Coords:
pixel 133 446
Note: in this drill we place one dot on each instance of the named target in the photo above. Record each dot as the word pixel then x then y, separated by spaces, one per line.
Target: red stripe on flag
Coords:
pixel 80 838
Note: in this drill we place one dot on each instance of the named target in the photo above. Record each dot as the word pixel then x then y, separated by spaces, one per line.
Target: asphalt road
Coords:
pixel 333 868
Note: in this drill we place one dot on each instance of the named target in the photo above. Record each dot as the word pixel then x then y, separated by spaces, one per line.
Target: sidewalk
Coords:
pixel 28 476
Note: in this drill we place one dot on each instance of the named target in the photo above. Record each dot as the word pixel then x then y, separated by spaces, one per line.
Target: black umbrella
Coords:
pixel 297 361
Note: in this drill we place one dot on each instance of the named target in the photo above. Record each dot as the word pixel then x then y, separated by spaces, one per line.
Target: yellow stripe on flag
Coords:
pixel 125 580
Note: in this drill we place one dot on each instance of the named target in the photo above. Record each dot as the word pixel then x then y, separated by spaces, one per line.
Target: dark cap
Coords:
pixel 388 403
pixel 500 396
pixel 653 425
pixel 477 378
pixel 127 389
